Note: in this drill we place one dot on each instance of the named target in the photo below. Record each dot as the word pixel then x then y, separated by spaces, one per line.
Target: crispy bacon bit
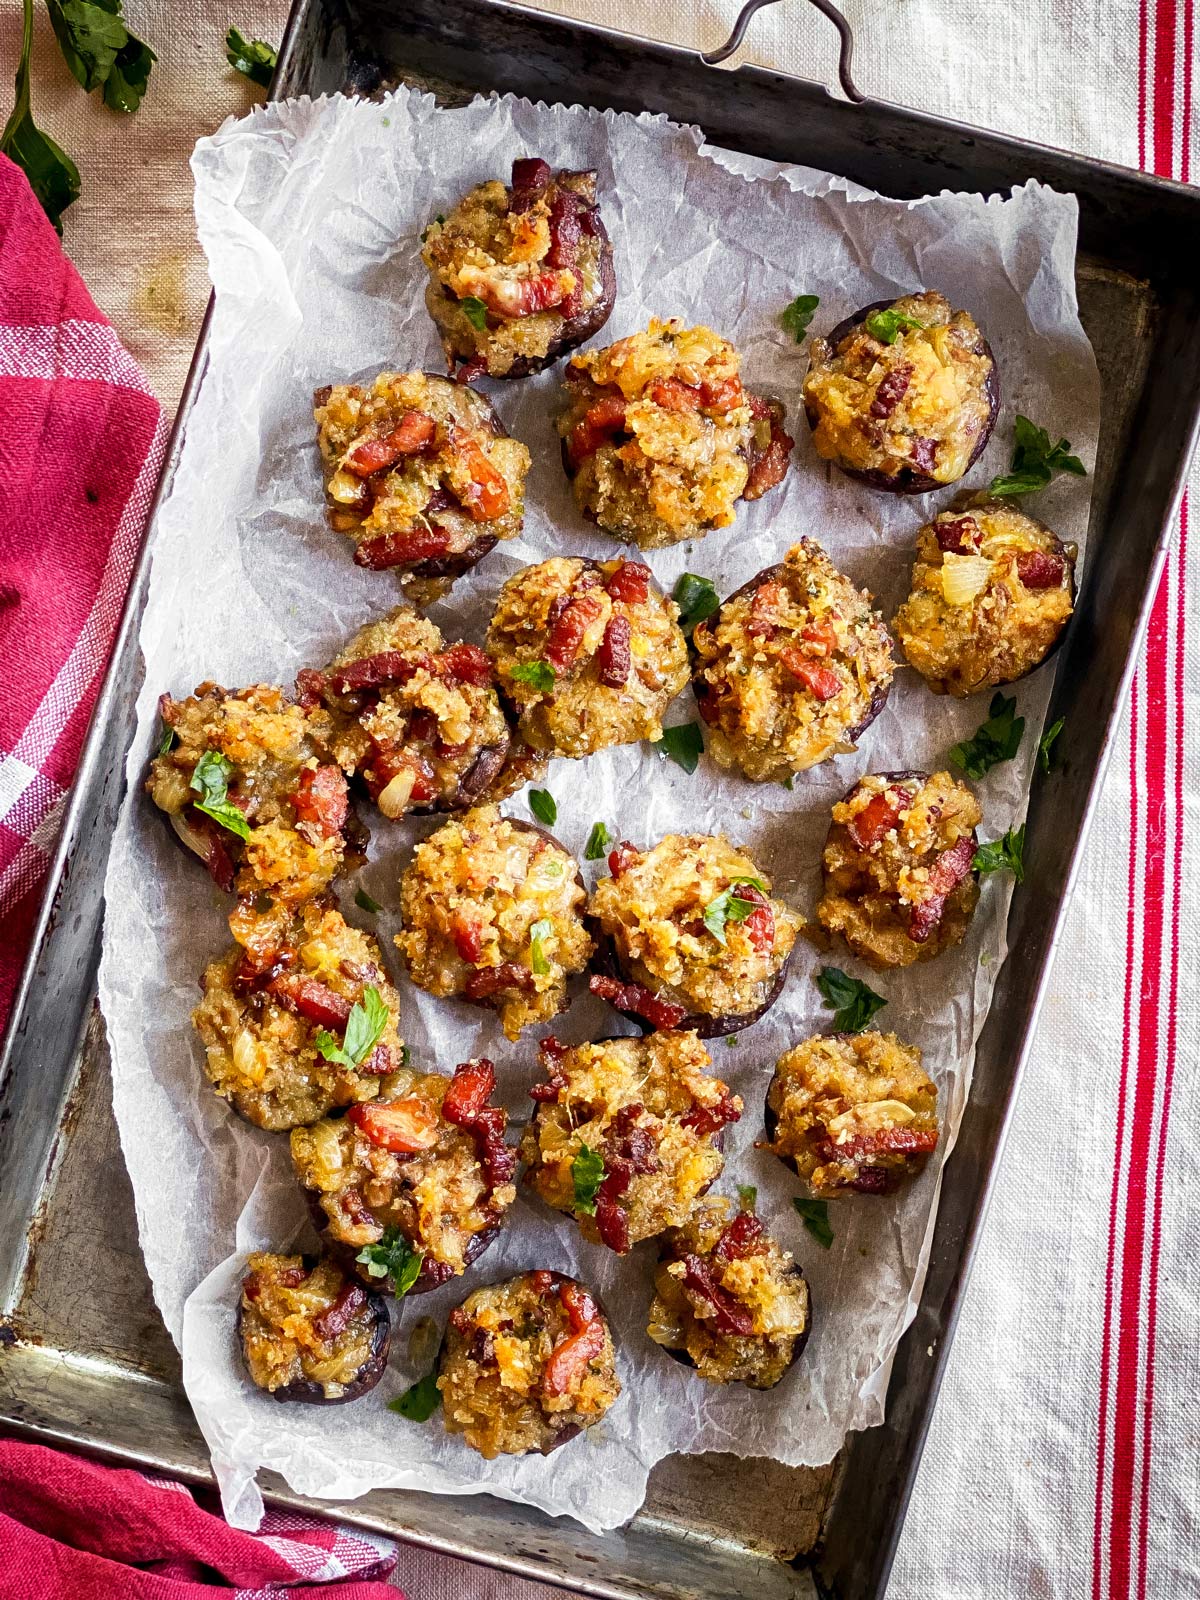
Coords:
pixel 743 1237
pixel 521 297
pixel 260 967
pixel 402 549
pixel 764 607
pixel 484 492
pixel 708 1119
pixel 409 437
pixel 721 395
pixel 960 536
pixel 542 1282
pixel 621 858
pixel 566 635
pixel 551 1052
pixel 821 682
pixel 355 1208
pixel 470 370
pixel 460 1321
pixel 730 1317
pixel 1039 570
pixel 390 764
pixel 469 1091
pixel 468 937
pixel 321 802
pixel 402 1126
pixel 947 872
pixel 632 997
pixel 212 836
pixel 309 684
pixel 600 423
pixel 821 637
pixel 563 254
pixel 630 583
pixel 482 1348
pixel 614 654
pixel 569 1359
pixel 884 1141
pixel 878 817
pixel 891 390
pixel 378 1064
pixel 923 453
pixel 487 981
pixel 308 998
pixel 375 672
pixel 612 1221
pixel 530 178
pixel 768 463
pixel 465 663
pixel 335 1319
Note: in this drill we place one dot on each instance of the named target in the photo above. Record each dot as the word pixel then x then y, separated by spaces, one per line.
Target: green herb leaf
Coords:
pixel 364 1028
pixel 253 58
pixel 887 326
pixel 538 675
pixel 476 311
pixel 1035 461
pixel 363 900
pixel 540 931
pixel 789 783
pixel 696 598
pixel 1047 757
pixel 393 1257
pixel 100 50
pixel 542 804
pixel 730 907
pixel 683 744
pixel 815 1216
pixel 421 1400
pixel 428 228
pixel 405 1055
pixel 53 176
pixel 597 843
pixel 1006 854
pixel 126 83
pixel 210 780
pixel 998 739
pixel 796 317
pixel 854 1003
pixel 167 741
pixel 747 1196
pixel 587 1174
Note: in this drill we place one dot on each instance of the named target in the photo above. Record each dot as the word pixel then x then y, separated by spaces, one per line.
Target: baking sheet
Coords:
pixel 310 214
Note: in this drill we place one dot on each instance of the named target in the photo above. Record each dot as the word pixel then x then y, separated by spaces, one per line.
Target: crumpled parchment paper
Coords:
pixel 310 214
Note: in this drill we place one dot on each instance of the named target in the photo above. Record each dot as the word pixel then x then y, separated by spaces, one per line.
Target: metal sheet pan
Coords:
pixel 84 1359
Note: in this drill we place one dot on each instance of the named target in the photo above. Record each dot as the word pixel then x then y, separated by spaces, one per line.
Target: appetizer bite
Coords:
pixel 627 1133
pixel 903 395
pixel 589 653
pixel 298 1017
pixel 418 721
pixel 690 937
pixel 412 1189
pixel 247 781
pixel 992 591
pixel 661 440
pixel 518 276
pixel 526 1365
pixel 308 1333
pixel 492 912
pixel 792 669
pixel 727 1300
pixel 854 1111
pixel 421 474
pixel 899 885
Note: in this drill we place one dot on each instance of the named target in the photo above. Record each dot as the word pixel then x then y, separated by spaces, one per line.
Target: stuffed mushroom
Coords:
pixel 690 936
pixel 626 1134
pixel 899 881
pixel 308 1333
pixel 903 395
pixel 992 591
pixel 492 911
pixel 411 1190
pixel 855 1111
pixel 590 653
pixel 421 475
pixel 661 439
pixel 526 1365
pixel 519 275
pixel 727 1300
pixel 792 669
pixel 248 782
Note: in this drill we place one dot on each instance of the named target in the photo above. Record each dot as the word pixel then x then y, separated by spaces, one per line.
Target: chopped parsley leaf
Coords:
pixel 998 739
pixel 815 1216
pixel 854 1002
pixel 696 598
pixel 392 1257
pixel 542 804
pixel 587 1174
pixel 363 900
pixel 598 842
pixel 420 1400
pixel 253 58
pixel 887 326
pixel 167 740
pixel 540 931
pixel 476 311
pixel 1048 758
pixel 683 744
pixel 795 318
pixel 210 780
pixel 1035 461
pixel 730 907
pixel 1006 854
pixel 364 1028
pixel 538 675
pixel 747 1196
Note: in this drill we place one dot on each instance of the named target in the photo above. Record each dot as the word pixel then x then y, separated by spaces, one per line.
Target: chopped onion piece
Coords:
pixel 393 799
pixel 963 577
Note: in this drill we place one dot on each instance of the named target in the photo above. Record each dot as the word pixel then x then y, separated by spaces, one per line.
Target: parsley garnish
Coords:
pixel 747 1196
pixel 364 1028
pixel 796 317
pixel 253 58
pixel 53 176
pixel 542 804
pixel 730 907
pixel 1005 854
pixel 598 842
pixel 100 50
pixel 363 900
pixel 476 311
pixel 167 740
pixel 684 744
pixel 393 1258
pixel 405 1055
pixel 421 1400
pixel 1047 759
pixel 815 1216
pixel 1035 461
pixel 887 326
pixel 210 780
pixel 998 739
pixel 428 228
pixel 854 1003
pixel 537 956
pixel 587 1174
pixel 538 675
pixel 696 598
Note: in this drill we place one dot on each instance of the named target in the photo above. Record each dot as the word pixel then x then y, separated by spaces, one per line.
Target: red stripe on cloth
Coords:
pixel 1164 87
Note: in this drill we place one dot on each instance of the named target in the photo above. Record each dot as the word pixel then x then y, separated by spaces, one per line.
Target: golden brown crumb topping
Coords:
pixel 304 1325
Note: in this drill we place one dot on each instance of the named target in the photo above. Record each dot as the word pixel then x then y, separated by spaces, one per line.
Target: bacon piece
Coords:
pixel 630 583
pixel 378 1064
pixel 482 1348
pixel 259 968
pixel 565 232
pixel 614 653
pixel 541 1281
pixel 551 1052
pixel 621 858
pixel 211 835
pixel 730 1317
pixel 311 999
pixel 878 817
pixel 402 549
pixel 309 684
pixel 923 453
pixel 1039 570
pixel 376 671
pixel 389 765
pixel 960 536
pixel 469 1091
pixel 598 425
pixel 719 395
pixel 821 682
pixel 891 390
pixel 487 981
pixel 767 463
pixel 480 487
pixel 402 1126
pixel 569 1359
pixel 354 1207
pixel 512 298
pixel 412 435
pixel 764 606
pixel 633 997
pixel 465 663
pixel 469 371
pixel 884 1141
pixel 335 1319
pixel 708 1119
pixel 468 937
pixel 321 802
pixel 530 179
pixel 566 634
pixel 460 1321
pixel 743 1237
pixel 822 636
pixel 947 872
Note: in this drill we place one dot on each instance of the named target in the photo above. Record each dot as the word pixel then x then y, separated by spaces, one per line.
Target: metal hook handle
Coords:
pixel 711 58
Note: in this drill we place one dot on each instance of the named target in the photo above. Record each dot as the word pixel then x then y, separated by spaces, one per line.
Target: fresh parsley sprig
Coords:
pixel 696 598
pixel 538 675
pixel 795 318
pixel 420 1400
pixel 587 1174
pixel 683 744
pixel 364 1029
pixel 747 1194
pixel 1035 461
pixel 100 50
pixel 889 324
pixel 730 907
pixel 210 780
pixel 544 806
pixel 253 58
pixel 996 740
pixel 393 1257
pixel 599 842
pixel 854 1002
pixel 1006 854
pixel 475 310
pixel 53 176
pixel 815 1216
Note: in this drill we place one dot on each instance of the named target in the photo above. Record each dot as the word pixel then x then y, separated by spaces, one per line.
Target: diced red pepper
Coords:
pixel 892 389
pixel 1037 569
pixel 622 857
pixel 568 1363
pixel 822 683
pixel 413 433
pixel 630 583
pixel 335 1319
pixel 402 1126
pixel 310 999
pixel 743 1237
pixel 468 937
pixel 614 656
pixel 322 801
pixel 487 981
pixel 947 872
pixel 402 549
pixel 960 536
pixel 485 495
pixel 469 1091
pixel 730 1317
pixel 566 635
pixel 633 997
pixel 878 817
pixel 465 663
pixel 708 1119
pixel 599 424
